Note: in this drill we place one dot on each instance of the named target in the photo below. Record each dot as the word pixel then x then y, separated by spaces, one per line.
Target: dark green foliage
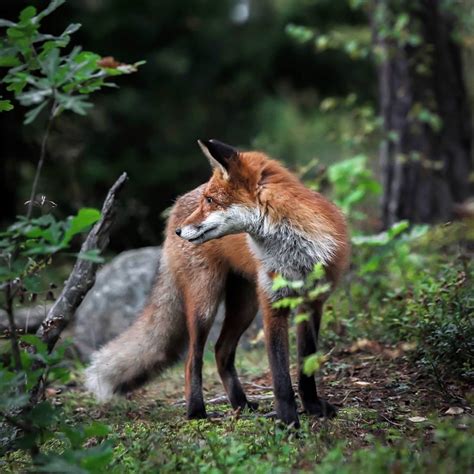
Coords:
pixel 206 76
pixel 414 285
pixel 437 313
pixel 41 74
pixel 27 246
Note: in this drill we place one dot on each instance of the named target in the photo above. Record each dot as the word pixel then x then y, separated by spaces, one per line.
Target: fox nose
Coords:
pixel 178 231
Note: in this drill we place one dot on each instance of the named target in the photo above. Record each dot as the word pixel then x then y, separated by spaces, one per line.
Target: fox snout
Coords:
pixel 196 233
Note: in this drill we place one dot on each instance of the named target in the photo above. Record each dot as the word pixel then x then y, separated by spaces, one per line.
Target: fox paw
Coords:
pixel 320 408
pixel 252 406
pixel 196 413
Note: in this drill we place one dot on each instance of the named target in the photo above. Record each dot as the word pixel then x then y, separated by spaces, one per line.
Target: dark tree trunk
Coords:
pixel 426 161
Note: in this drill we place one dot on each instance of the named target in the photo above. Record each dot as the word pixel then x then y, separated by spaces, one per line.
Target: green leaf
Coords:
pixel 77 224
pixel 301 34
pixel 291 302
pixel 33 113
pixel 36 342
pixel 54 463
pixel 318 272
pixel 97 459
pixel 397 228
pixel 34 96
pixel 96 429
pixel 302 317
pixel 313 363
pixel 5 106
pixel 50 64
pixel 76 104
pixel 27 14
pixel 43 415
pixel 318 291
pixel 9 61
pixel 279 282
pixel 72 28
pixel 32 284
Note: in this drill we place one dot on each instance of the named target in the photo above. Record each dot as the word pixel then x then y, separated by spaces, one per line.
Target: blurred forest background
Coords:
pixel 368 101
pixel 241 71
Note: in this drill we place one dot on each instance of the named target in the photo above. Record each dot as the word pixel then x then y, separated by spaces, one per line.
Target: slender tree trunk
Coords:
pixel 426 160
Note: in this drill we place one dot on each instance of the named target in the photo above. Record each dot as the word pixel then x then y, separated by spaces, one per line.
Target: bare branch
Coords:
pixel 82 276
pixel 42 157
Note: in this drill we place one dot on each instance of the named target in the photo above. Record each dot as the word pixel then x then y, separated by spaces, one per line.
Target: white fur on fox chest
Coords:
pixel 282 249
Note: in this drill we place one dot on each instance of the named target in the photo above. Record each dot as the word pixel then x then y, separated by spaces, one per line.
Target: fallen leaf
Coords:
pixel 417 419
pixel 51 392
pixel 366 345
pixel 408 346
pixel 454 411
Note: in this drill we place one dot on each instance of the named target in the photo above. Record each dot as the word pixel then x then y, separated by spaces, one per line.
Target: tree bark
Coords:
pixel 427 160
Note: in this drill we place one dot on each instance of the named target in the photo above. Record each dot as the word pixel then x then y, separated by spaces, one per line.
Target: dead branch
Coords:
pixel 82 276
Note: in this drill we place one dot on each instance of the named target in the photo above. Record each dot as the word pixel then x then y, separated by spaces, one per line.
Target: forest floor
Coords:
pixel 391 419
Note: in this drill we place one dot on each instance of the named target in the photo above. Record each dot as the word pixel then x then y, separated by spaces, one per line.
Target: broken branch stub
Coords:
pixel 82 277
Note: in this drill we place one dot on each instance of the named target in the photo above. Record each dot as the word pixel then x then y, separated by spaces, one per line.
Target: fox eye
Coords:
pixel 209 200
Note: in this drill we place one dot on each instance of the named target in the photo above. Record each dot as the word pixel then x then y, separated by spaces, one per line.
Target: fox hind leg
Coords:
pixel 200 314
pixel 307 335
pixel 241 307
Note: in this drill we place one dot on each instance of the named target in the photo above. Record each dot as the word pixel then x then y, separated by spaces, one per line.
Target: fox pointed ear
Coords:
pixel 219 154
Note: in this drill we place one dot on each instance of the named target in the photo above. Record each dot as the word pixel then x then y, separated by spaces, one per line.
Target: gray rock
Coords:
pixel 117 297
pixel 119 294
pixel 27 319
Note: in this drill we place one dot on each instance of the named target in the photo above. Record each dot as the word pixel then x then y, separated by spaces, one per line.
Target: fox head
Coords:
pixel 228 204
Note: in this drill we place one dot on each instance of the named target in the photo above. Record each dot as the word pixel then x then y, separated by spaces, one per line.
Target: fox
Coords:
pixel 226 241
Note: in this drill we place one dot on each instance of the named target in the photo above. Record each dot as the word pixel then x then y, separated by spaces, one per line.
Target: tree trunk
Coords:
pixel 426 159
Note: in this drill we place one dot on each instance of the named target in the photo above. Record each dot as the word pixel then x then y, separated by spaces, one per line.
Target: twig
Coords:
pixel 389 421
pixel 39 166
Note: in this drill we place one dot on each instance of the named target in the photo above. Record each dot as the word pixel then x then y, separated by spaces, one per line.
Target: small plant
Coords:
pixel 352 183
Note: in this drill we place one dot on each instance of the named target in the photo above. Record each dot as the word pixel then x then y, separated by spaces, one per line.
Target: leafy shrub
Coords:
pixel 436 313
pixel 44 75
pixel 412 284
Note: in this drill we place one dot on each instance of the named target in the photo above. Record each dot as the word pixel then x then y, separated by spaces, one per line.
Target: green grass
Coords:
pixel 397 364
pixel 150 433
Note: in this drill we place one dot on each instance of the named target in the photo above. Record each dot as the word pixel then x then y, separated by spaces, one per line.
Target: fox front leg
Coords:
pixel 307 338
pixel 275 325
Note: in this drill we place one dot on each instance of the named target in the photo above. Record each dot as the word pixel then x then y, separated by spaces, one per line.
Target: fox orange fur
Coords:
pixel 226 240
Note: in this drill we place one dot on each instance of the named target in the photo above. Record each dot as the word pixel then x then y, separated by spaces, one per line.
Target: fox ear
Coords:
pixel 219 154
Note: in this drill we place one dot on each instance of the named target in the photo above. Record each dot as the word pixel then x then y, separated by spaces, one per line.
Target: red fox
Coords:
pixel 227 240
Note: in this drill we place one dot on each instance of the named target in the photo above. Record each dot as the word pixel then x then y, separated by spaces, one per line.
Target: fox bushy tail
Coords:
pixel 155 341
